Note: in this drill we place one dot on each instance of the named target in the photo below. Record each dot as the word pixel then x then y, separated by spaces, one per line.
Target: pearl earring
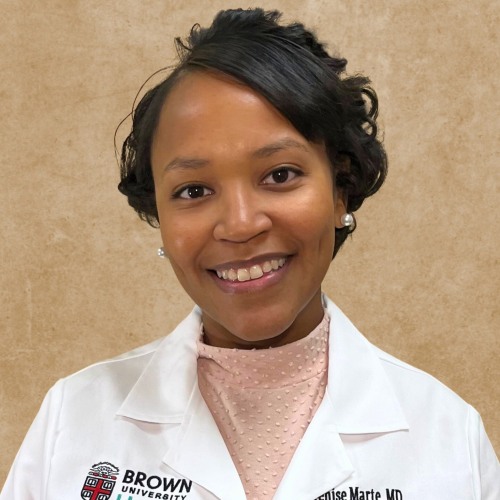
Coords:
pixel 347 220
pixel 161 253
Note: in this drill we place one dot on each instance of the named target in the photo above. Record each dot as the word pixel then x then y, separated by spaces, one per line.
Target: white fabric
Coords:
pixel 384 430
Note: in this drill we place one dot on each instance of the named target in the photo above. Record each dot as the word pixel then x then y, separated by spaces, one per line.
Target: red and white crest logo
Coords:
pixel 100 482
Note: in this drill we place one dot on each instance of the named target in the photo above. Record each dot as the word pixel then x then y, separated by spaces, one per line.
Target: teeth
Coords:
pixel 243 275
pixel 254 272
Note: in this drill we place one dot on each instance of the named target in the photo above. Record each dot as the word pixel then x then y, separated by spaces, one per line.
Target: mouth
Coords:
pixel 253 272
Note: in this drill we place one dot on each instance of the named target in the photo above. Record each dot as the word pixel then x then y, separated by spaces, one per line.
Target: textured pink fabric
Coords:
pixel 262 401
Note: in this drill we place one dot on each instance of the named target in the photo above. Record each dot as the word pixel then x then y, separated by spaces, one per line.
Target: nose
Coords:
pixel 242 215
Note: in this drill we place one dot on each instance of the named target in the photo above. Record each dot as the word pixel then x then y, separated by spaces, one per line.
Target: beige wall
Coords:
pixel 79 279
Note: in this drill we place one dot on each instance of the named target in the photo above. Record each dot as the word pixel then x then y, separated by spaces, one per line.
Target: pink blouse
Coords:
pixel 262 401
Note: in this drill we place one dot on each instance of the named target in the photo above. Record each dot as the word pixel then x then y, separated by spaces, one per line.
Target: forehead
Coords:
pixel 207 111
pixel 199 91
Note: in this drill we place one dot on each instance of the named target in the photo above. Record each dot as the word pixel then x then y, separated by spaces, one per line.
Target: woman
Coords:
pixel 252 156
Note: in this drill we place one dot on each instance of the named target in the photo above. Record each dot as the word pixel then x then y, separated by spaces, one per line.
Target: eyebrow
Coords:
pixel 185 164
pixel 180 163
pixel 276 147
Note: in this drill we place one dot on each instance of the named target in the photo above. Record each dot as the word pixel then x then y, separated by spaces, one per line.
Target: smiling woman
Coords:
pixel 259 192
pixel 251 157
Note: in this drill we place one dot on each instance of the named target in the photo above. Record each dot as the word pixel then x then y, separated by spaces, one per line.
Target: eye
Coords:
pixel 281 175
pixel 192 192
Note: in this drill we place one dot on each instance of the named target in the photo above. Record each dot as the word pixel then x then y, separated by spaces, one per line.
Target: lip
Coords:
pixel 254 285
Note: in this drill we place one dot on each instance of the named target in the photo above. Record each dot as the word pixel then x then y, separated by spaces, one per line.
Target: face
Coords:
pixel 247 212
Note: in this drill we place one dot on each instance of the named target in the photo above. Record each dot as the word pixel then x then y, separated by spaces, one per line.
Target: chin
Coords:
pixel 260 336
pixel 261 331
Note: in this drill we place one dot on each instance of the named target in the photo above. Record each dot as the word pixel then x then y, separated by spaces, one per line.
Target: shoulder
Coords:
pixel 123 369
pixel 404 374
pixel 422 394
pixel 103 385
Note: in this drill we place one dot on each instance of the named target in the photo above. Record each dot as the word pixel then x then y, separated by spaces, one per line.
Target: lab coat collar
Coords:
pixel 162 392
pixel 362 397
pixel 359 399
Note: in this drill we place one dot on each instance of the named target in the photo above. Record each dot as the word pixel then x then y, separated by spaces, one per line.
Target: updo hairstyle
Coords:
pixel 288 66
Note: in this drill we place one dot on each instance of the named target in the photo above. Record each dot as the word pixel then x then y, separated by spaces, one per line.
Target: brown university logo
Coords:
pixel 100 482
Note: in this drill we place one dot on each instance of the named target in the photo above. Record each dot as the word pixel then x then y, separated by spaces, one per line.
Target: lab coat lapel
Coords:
pixel 320 462
pixel 167 393
pixel 199 452
pixel 359 399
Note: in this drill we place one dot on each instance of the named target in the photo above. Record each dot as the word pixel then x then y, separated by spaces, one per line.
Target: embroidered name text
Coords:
pixel 359 494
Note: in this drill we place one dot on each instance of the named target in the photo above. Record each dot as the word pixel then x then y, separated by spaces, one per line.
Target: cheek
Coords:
pixel 184 238
pixel 314 215
pixel 317 227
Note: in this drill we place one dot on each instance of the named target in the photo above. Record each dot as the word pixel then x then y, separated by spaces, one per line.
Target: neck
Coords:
pixel 304 323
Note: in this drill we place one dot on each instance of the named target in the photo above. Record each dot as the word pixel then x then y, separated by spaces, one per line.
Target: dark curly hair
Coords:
pixel 289 67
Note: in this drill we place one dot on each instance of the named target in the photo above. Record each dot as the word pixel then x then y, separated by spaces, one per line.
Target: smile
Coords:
pixel 251 273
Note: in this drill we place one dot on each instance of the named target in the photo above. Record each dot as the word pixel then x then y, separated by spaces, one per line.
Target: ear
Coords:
pixel 340 207
pixel 342 164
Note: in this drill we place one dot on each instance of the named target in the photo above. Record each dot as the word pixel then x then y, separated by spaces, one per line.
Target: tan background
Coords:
pixel 79 279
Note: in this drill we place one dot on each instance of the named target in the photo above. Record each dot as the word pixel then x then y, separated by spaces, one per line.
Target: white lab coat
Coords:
pixel 384 430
